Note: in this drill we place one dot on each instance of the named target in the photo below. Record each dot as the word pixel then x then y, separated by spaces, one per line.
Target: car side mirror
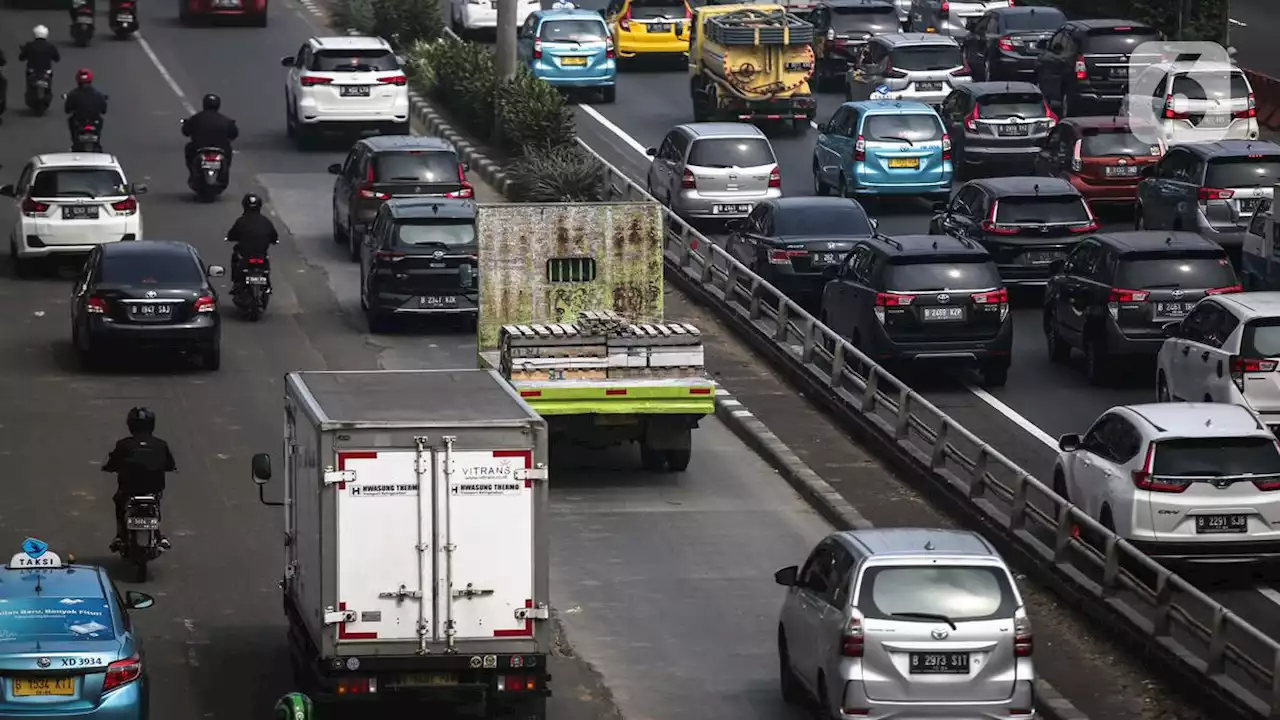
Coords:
pixel 786 577
pixel 1057 266
pixel 261 467
pixel 939 207
pixel 8 191
pixel 217 271
pixel 1173 329
pixel 135 600
pixel 831 272
pixel 1069 442
pixel 138 189
pixel 875 224
pixel 288 61
pixel 651 152
pixel 733 225
pixel 335 169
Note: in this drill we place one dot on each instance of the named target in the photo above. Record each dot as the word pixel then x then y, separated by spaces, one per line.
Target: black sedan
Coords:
pixel 790 241
pixel 1004 43
pixel 147 295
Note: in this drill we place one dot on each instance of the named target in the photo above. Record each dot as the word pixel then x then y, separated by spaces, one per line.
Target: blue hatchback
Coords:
pixel 66 644
pixel 570 48
pixel 883 147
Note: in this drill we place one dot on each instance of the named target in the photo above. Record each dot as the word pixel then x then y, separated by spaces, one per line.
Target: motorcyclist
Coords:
pixel 84 104
pixel 294 706
pixel 253 234
pixel 140 462
pixel 210 128
pixel 38 53
pixel 77 5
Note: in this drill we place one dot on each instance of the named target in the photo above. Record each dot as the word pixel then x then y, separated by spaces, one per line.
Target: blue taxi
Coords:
pixel 570 48
pixel 66 644
pixel 883 147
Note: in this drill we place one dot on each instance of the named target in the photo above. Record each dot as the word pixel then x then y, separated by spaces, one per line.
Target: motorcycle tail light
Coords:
pixel 257 261
pixel 211 157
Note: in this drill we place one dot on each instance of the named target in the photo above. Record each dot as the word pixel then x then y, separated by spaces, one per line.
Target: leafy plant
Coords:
pixel 562 174
pixel 532 114
pixel 461 77
pixel 404 22
pixel 357 15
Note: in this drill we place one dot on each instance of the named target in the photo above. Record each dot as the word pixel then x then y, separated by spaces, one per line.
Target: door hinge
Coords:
pixel 470 591
pixel 531 474
pixel 401 594
pixel 534 613
pixel 335 617
pixel 333 477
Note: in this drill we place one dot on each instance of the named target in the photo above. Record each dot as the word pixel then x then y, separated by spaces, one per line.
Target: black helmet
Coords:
pixel 141 421
pixel 212 102
pixel 251 203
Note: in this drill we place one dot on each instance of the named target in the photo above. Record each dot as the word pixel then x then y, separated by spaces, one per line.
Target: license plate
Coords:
pixel 1214 121
pixel 354 91
pixel 255 280
pixel 1127 171
pixel 438 301
pixel 1040 257
pixel 658 27
pixel 940 663
pixel 1012 130
pixel 142 523
pixel 573 61
pixel 211 164
pixel 730 209
pixel 928 86
pixel 84 20
pixel 80 212
pixel 943 313
pixel 1119 72
pixel 89 137
pixel 426 680
pixel 904 162
pixel 1212 524
pixel 150 310
pixel 824 258
pixel 1172 309
pixel 42 84
pixel 43 687
pixel 124 19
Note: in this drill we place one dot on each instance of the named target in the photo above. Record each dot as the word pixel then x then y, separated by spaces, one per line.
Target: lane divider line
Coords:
pixel 164 73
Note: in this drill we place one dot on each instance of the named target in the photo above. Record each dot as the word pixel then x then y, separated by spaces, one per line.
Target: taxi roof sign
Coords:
pixel 35 555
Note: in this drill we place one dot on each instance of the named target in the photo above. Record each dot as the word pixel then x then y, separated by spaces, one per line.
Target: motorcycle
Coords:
pixel 208 175
pixel 123 18
pixel 39 95
pixel 251 293
pixel 82 22
pixel 88 138
pixel 142 541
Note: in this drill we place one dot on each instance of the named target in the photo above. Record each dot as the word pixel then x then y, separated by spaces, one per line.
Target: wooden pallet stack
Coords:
pixel 600 345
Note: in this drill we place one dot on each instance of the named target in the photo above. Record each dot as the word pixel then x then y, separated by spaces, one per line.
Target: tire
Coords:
pixel 122 34
pixel 531 709
pixel 843 189
pixel 609 94
pixel 1162 390
pixel 290 128
pixel 995 373
pixel 140 571
pixel 1066 105
pixel 211 358
pixel 1139 222
pixel 820 188
pixel 353 249
pixel 1060 489
pixel 339 232
pixel 651 459
pixel 260 20
pixel 788 683
pixel 1096 362
pixel 678 460
pixel 822 708
pixel 1059 352
pixel 85 356
pixel 22 268
pixel 377 321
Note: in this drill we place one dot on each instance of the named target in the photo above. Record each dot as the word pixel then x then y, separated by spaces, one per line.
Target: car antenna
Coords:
pixel 935 244
pixel 928 545
pixel 1168 240
pixel 1036 188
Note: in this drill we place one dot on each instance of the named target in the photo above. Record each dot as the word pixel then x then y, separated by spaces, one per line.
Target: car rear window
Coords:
pixel 855 17
pixel 647 9
pixel 1041 210
pixel 998 106
pixel 137 268
pixel 916 128
pixel 1214 457
pixel 581 31
pixel 731 152
pixel 428 233
pixel 66 609
pixel 1208 85
pixel 1207 269
pixel 423 167
pixel 1118 41
pixel 1113 143
pixel 921 593
pixel 1261 338
pixel 354 61
pixel 77 182
pixel 1042 19
pixel 844 219
pixel 926 57
pixel 1243 172
pixel 934 274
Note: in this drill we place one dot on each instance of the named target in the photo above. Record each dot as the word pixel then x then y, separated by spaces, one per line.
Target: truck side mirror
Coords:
pixel 261 465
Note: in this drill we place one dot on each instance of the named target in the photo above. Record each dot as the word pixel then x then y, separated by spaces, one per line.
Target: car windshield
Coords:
pixel 1209 85
pixel 70 606
pixel 136 268
pixel 1261 339
pixel 837 219
pixel 1216 457
pixel 999 106
pixel 1043 18
pixel 419 167
pixel 573 31
pixel 926 593
pixel 354 61
pixel 439 233
pixel 860 17
pixel 1243 172
pixel 649 9
pixel 912 128
pixel 1041 210
pixel 931 276
pixel 926 57
pixel 731 153
pixel 1207 269
pixel 78 182
pixel 1115 143
pixel 1118 41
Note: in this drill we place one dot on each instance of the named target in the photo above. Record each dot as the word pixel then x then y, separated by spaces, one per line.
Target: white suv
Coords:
pixel 1225 350
pixel 471 15
pixel 1197 101
pixel 1180 481
pixel 68 203
pixel 345 84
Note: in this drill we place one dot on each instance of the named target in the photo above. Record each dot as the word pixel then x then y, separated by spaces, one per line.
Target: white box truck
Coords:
pixel 415 539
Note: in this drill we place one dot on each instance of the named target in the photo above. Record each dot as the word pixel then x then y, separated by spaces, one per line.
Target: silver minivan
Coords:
pixel 905 622
pixel 921 67
pixel 713 171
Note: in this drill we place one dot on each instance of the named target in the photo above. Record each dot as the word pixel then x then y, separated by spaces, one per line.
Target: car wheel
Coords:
pixel 290 128
pixel 843 191
pixel 1066 105
pixel 1162 390
pixel 85 355
pixel 788 683
pixel 377 321
pixel 1139 222
pixel 260 20
pixel 609 94
pixel 353 245
pixel 678 460
pixel 988 74
pixel 652 459
pixel 21 267
pixel 995 373
pixel 339 233
pixel 1059 351
pixel 1097 366
pixel 823 706
pixel 211 357
pixel 820 188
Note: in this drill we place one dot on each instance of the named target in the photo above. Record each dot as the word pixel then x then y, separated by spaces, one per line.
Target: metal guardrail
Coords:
pixel 1236 661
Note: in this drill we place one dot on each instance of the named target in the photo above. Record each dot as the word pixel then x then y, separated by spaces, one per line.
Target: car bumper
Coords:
pixel 865 183
pixel 1020 275
pixel 930 98
pixel 605 77
pixel 632 44
pixel 39 246
pixel 991 155
pixel 310 114
pixel 1217 552
pixel 1135 341
pixel 973 351
pixel 1012 68
pixel 1182 132
pixel 692 204
pixel 202 332
pixel 409 304
pixel 1105 192
pixel 1019 706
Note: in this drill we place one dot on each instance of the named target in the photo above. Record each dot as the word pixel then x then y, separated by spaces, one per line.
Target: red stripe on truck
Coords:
pixel 528 461
pixel 343 457
pixel 527 630
pixel 342 627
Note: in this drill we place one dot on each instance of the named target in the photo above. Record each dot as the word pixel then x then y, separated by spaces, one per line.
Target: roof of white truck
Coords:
pixel 410 397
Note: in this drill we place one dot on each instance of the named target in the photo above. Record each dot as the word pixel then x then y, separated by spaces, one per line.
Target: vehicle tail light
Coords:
pixel 1269 484
pixel 517 683
pixel 389 256
pixel 465 193
pixel 537 48
pixel 95 306
pixel 860 149
pixel 890 71
pixel 206 304
pixel 946 7
pixel 1093 224
pixel 831 34
pixel 971 121
pixel 688 13
pixel 122 672
pixel 357 686
pixel 1050 114
pixel 1077 163
pixel 394 80
pixel 990 225
pixel 1169 112
pixel 1251 111
pixel 1023 642
pixel 256 261
pixel 31 208
pixel 313 80
pixel 890 300
pixel 783 257
pixel 367 191
pixel 609 51
pixel 1225 290
pixel 962 71
pixel 1215 194
pixel 946 147
pixel 995 297
pixel 1242 365
pixel 127 206
pixel 1006 43
pixel 688 181
pixel 775 177
pixel 624 22
pixel 1120 296
pixel 1144 480
pixel 853 638
pixel 1082 70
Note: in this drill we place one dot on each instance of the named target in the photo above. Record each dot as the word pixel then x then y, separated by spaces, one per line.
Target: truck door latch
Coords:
pixel 534 613
pixel 471 591
pixel 336 477
pixel 401 595
pixel 334 617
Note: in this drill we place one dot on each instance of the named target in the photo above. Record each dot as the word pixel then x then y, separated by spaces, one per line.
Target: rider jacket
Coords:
pixel 86 104
pixel 39 55
pixel 209 128
pixel 253 235
pixel 140 462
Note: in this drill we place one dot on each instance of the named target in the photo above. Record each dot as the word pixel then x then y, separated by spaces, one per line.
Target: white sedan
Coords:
pixel 469 15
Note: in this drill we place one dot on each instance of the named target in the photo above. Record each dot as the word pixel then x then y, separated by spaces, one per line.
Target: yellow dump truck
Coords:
pixel 751 63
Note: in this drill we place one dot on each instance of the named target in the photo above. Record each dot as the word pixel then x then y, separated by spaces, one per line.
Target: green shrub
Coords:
pixel 532 114
pixel 563 174
pixel 460 76
pixel 354 14
pixel 405 22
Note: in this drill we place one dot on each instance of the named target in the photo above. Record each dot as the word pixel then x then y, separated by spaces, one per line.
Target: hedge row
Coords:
pixel 1207 21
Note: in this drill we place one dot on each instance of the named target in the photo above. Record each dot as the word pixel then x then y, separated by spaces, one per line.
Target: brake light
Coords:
pixel 783 257
pixel 210 157
pixel 1119 295
pixel 465 193
pixel 991 226
pixel 688 181
pixel 122 672
pixel 1093 223
pixel 624 22
pixel 775 177
pixel 1271 484
pixel 537 48
pixel 971 121
pixel 995 297
pixel 1082 70
pixel 1144 480
pixel 946 147
pixel 1242 365
pixel 1077 163
pixel 1215 194
pixel 688 14
pixel 853 638
pixel 1050 114
pixel 256 261
pixel 1023 643
pixel 517 683
pixel 946 7
pixel 962 71
pixel 95 306
pixel 860 149
pixel 889 70
pixel 1006 43
pixel 609 52
pixel 1251 111
pixel 893 300
pixel 367 191
pixel 389 256
pixel 394 80
pixel 32 208
pixel 127 206
pixel 313 80
pixel 1224 290
pixel 1169 111
pixel 206 304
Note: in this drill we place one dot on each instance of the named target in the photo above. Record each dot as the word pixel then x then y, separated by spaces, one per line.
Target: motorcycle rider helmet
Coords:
pixel 251 203
pixel 294 706
pixel 83 76
pixel 141 420
pixel 211 102
pixel 40 32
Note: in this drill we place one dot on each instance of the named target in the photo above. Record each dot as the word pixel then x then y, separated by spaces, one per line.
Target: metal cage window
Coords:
pixel 571 269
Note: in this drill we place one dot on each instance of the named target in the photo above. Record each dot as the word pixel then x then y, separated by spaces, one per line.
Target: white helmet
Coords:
pixel 41 32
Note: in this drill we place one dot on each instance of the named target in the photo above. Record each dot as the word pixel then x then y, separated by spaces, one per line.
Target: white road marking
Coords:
pixel 604 122
pixel 164 73
pixel 1237 23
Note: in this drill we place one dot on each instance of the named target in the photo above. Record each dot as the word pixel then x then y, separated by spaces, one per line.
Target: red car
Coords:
pixel 253 12
pixel 1099 156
